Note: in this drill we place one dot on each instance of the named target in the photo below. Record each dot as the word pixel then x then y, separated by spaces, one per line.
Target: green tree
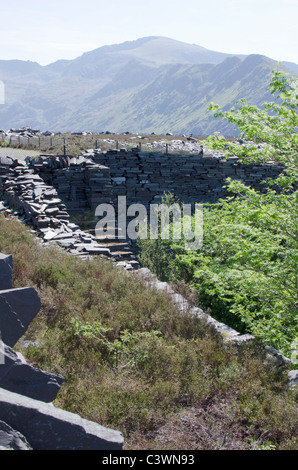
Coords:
pixel 247 269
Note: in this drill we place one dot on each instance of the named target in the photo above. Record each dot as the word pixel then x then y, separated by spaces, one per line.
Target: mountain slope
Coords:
pixel 175 97
pixel 151 84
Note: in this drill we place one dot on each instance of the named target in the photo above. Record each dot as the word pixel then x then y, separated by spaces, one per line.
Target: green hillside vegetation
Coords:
pixel 132 362
pixel 246 272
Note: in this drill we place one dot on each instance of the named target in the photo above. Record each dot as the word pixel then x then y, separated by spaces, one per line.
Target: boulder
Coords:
pixel 49 428
pixel 6 271
pixel 11 439
pixel 18 307
pixel 19 377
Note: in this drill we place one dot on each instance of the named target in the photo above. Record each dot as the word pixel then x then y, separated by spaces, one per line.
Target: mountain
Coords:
pixel 291 66
pixel 10 69
pixel 153 84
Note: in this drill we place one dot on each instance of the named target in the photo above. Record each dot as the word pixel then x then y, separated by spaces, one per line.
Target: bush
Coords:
pixel 246 270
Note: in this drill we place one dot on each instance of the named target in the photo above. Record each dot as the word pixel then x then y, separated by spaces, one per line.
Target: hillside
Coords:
pixel 153 84
pixel 173 385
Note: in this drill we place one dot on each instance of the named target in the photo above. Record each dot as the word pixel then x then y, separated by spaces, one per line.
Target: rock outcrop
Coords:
pixel 6 272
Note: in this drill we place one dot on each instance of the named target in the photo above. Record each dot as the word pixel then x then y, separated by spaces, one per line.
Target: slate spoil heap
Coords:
pixel 39 205
pixel 28 419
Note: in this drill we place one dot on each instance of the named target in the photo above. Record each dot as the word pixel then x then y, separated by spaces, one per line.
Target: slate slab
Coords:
pixel 6 271
pixel 18 307
pixel 19 377
pixel 49 428
pixel 11 328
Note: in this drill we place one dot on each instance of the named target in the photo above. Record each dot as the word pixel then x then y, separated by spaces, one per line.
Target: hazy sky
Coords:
pixel 45 31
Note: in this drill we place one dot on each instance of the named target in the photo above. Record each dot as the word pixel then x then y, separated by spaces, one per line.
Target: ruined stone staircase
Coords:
pixel 27 196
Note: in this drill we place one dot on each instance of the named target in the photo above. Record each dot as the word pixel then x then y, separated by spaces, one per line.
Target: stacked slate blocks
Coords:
pixel 144 177
pixel 79 182
pixel 28 419
pixel 37 202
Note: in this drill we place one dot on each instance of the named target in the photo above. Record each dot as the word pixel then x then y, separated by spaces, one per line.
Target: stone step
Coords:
pixel 116 247
pixel 107 239
pixel 123 255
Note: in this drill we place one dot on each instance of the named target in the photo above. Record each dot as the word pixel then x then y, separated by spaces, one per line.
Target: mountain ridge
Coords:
pixel 153 84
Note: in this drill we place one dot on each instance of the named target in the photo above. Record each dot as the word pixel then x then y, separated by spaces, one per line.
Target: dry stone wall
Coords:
pixel 79 182
pixel 143 177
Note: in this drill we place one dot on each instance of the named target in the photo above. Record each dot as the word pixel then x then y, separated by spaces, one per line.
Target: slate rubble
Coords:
pixel 36 201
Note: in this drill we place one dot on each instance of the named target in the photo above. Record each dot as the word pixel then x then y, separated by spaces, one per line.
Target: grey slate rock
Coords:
pixel 6 161
pixel 11 328
pixel 11 439
pixel 49 428
pixel 25 301
pixel 19 377
pixel 276 357
pixel 293 379
pixel 6 271
pixel 18 307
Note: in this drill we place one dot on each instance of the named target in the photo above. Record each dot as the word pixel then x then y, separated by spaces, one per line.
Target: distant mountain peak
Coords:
pixel 151 84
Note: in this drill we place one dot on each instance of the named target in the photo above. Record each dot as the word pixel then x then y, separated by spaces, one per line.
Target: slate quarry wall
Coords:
pixel 143 177
pixel 28 420
pixel 50 188
pixel 33 201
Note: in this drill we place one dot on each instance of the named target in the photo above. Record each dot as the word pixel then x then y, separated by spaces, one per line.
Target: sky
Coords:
pixel 46 31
